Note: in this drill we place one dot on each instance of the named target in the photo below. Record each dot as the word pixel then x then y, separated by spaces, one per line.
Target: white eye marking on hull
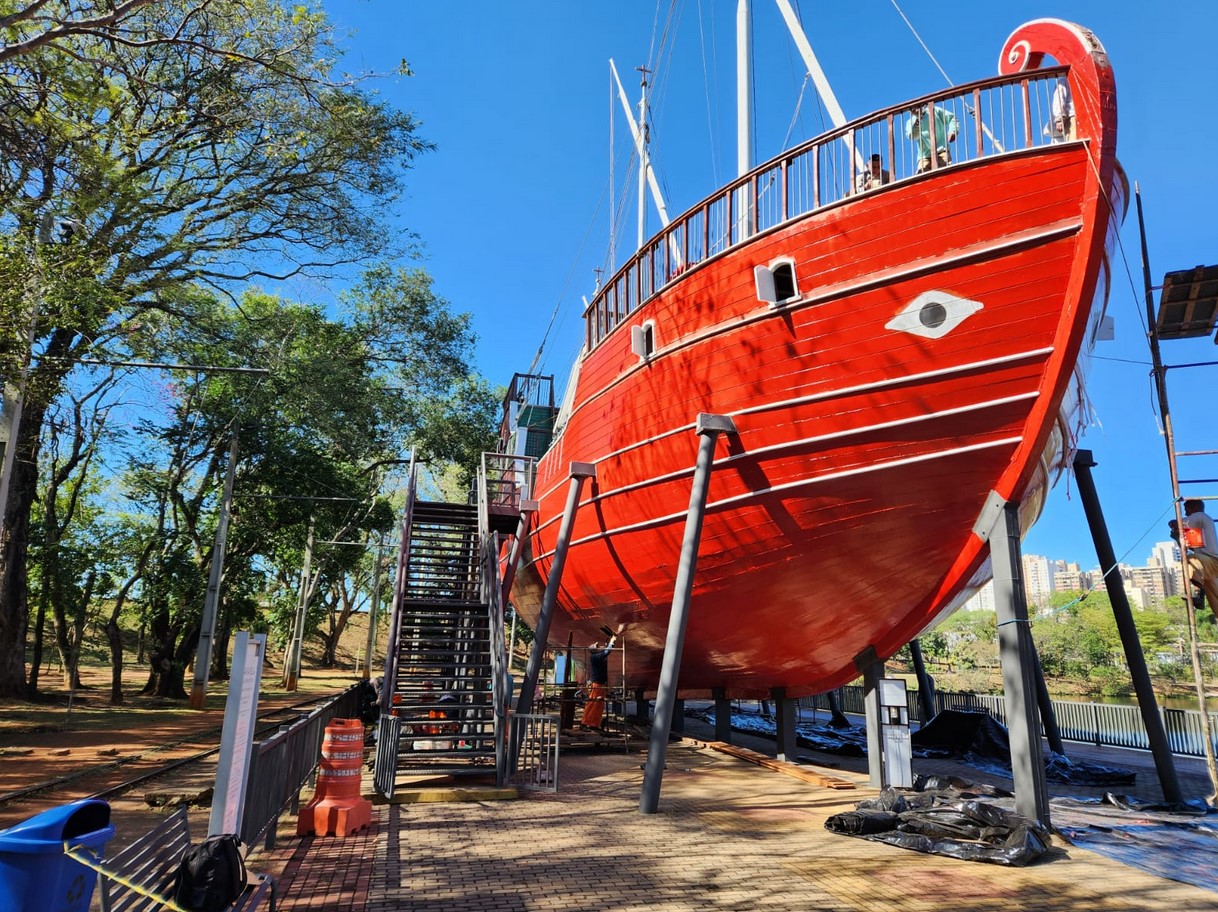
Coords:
pixel 933 314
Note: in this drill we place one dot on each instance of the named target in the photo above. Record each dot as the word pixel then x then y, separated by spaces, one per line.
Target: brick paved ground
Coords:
pixel 729 835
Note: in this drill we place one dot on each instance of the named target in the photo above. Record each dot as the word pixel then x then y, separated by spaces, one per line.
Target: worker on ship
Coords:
pixel 598 684
pixel 1201 539
pixel 918 128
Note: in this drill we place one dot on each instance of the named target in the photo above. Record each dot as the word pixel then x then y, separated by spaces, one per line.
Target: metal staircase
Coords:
pixel 442 689
pixel 444 700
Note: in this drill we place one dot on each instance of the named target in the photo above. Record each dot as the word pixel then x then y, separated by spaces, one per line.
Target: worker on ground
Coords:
pixel 598 684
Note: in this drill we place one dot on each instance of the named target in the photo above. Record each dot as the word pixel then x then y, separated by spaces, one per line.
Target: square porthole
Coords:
pixel 776 282
pixel 643 340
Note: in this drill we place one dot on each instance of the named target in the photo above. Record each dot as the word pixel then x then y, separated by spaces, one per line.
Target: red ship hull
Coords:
pixel 843 514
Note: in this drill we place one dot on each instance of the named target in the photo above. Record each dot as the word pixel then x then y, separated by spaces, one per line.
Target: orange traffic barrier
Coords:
pixel 337 807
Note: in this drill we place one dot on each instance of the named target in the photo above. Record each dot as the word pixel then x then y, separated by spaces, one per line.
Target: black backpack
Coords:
pixel 211 876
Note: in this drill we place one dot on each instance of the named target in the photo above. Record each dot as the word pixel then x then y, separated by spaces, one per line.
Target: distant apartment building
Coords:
pixel 1037 579
pixel 1152 581
pixel 1145 587
pixel 983 600
pixel 1069 577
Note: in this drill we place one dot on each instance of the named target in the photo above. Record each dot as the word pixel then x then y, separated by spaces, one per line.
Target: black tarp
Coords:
pixel 945 817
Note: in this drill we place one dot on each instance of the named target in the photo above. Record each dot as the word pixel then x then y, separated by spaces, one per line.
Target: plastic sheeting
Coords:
pixel 946 817
pixel 1167 840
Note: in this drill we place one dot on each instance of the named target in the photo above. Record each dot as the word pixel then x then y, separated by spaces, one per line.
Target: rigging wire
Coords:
pixel 707 76
pixel 921 42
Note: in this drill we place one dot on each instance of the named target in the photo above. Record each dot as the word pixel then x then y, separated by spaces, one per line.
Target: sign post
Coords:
pixel 237 736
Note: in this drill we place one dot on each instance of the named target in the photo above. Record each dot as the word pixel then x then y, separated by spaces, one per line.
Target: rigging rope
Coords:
pixel 923 43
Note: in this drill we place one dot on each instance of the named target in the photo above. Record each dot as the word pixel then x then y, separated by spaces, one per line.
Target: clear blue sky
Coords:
pixel 512 205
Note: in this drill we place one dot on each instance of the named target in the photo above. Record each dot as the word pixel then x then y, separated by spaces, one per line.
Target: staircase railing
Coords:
pixel 490 584
pixel 399 592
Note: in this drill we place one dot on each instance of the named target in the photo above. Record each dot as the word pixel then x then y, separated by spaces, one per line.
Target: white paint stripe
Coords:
pixel 819 438
pixel 828 394
pixel 793 485
pixel 983 251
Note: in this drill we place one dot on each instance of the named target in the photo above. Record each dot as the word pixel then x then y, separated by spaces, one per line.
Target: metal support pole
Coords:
pixel 837 718
pixel 291 671
pixel 926 684
pixel 374 610
pixel 872 669
pixel 1048 717
pixel 1160 749
pixel 211 603
pixel 527 509
pixel 579 471
pixel 723 716
pixel 784 717
pixel 709 427
pixel 1018 678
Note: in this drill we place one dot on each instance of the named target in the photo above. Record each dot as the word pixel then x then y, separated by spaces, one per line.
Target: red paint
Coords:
pixel 842 514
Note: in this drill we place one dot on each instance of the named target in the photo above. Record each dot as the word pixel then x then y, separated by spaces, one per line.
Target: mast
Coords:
pixel 644 166
pixel 805 51
pixel 744 87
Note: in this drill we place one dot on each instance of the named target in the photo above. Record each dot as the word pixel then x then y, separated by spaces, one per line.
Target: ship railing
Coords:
pixel 1101 724
pixel 508 480
pixel 1005 115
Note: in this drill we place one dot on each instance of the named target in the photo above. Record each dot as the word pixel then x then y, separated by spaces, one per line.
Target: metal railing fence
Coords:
pixel 997 116
pixel 281 765
pixel 389 685
pixel 1101 724
pixel 536 737
pixel 385 770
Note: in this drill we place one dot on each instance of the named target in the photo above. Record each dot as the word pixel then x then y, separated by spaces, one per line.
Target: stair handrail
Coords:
pixel 389 684
pixel 490 582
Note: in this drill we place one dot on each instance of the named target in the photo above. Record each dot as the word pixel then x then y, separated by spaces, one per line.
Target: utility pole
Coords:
pixel 207 632
pixel 291 670
pixel 374 610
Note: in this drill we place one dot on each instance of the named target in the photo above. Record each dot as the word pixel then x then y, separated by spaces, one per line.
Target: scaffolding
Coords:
pixel 1188 306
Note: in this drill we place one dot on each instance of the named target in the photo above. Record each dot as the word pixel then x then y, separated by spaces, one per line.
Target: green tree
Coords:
pixel 205 142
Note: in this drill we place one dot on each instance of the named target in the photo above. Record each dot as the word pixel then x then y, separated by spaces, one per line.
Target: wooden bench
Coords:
pixel 140 878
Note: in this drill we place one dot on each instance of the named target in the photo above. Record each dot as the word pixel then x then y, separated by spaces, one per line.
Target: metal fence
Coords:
pixel 536 767
pixel 1101 724
pixel 385 769
pixel 281 765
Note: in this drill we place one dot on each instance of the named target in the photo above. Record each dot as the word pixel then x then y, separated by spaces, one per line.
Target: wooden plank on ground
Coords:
pixel 794 770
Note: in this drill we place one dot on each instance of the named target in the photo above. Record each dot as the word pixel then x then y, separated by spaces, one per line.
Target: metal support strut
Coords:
pixel 1160 749
pixel 1018 667
pixel 709 427
pixel 579 471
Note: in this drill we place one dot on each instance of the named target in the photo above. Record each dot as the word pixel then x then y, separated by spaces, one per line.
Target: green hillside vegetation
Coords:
pixel 1079 646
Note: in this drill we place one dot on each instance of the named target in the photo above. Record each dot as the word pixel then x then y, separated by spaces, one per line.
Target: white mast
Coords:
pixel 813 65
pixel 640 147
pixel 644 164
pixel 744 87
pixel 818 75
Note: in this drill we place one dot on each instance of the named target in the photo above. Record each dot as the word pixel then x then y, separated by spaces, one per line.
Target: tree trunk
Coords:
pixel 185 652
pixel 114 636
pixel 219 649
pixel 40 623
pixel 160 653
pixel 14 579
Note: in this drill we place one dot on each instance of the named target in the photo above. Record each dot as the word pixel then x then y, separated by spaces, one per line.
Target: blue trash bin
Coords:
pixel 36 875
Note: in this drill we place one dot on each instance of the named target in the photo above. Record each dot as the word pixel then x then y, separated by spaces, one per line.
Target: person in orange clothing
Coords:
pixel 598 684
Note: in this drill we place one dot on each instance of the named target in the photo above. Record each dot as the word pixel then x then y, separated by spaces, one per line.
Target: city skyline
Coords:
pixel 1146 586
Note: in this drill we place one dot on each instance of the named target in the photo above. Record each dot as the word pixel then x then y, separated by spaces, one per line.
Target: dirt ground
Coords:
pixel 81 735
